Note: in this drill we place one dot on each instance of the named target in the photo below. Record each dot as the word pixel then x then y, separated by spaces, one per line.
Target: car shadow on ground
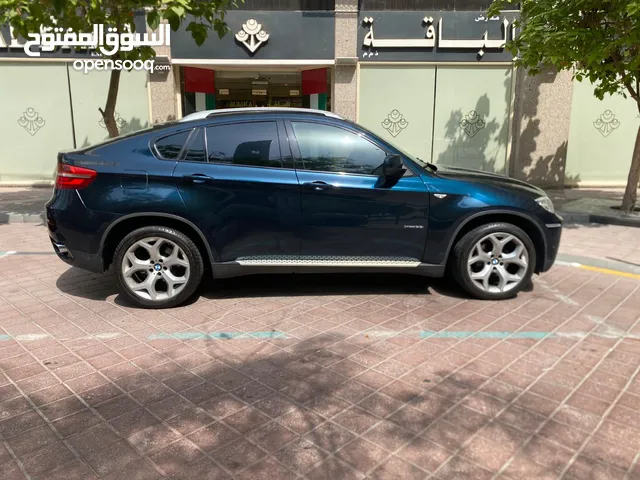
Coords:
pixel 255 409
pixel 82 284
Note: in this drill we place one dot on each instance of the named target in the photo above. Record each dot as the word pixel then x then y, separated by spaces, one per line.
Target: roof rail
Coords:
pixel 212 113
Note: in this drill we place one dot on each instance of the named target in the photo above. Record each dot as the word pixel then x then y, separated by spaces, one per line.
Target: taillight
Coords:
pixel 70 176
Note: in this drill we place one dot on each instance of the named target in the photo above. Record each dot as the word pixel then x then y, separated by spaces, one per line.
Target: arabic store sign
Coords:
pixel 57 42
pixel 436 36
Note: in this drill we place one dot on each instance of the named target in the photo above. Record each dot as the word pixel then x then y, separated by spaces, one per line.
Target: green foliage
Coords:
pixel 596 39
pixel 27 16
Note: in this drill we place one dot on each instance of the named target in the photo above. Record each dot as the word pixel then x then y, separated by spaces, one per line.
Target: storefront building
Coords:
pixel 269 59
pixel 439 84
pixel 48 106
pixel 428 75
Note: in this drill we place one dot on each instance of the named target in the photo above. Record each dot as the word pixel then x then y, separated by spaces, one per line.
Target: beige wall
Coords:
pixel 565 137
pixel 163 86
pixel 35 123
pixel 601 138
pixel 37 99
pixel 345 87
pixel 541 127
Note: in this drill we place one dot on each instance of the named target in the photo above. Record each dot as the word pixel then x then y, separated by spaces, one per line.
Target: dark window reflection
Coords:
pixel 330 149
pixel 171 146
pixel 428 5
pixel 286 5
pixel 252 144
pixel 196 150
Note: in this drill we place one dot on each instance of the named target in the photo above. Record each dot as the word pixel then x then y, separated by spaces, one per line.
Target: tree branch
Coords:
pixel 633 92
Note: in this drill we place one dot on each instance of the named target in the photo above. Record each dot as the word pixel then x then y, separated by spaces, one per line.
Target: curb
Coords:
pixel 586 218
pixel 12 218
pixel 603 263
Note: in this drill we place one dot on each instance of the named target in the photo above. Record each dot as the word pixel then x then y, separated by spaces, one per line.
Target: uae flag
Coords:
pixel 199 89
pixel 314 88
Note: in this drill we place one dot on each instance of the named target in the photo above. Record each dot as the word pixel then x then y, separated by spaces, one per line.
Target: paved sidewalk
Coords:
pixel 316 377
pixel 609 242
pixel 601 206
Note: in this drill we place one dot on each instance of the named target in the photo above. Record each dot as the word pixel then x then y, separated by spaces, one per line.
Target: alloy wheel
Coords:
pixel 498 262
pixel 155 268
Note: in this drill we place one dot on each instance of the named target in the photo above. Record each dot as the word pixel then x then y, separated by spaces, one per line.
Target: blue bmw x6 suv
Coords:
pixel 247 191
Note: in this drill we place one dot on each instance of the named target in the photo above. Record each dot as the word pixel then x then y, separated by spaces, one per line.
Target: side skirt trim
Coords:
pixel 235 269
pixel 328 261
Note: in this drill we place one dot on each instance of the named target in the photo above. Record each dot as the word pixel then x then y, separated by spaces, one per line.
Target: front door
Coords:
pixel 345 211
pixel 236 185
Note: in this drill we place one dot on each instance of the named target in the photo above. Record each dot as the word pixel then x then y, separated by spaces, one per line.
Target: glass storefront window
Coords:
pixel 249 89
pixel 448 114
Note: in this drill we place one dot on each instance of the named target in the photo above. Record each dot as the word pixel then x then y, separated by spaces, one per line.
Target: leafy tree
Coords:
pixel 27 16
pixel 596 39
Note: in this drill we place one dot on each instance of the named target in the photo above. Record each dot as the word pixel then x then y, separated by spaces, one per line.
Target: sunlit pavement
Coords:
pixel 320 377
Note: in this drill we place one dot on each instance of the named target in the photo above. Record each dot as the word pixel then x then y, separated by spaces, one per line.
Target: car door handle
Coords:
pixel 318 185
pixel 198 178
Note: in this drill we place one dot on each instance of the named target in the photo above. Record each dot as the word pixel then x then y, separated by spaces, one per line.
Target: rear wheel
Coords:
pixel 157 267
pixel 494 261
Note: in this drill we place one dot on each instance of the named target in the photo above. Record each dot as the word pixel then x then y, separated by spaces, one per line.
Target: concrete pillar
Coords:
pixel 162 85
pixel 345 75
pixel 542 115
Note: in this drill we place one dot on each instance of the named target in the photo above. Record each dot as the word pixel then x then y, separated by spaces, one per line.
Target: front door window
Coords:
pixel 325 148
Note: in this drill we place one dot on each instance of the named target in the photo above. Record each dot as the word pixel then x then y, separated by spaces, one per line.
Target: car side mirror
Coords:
pixel 392 171
pixel 392 166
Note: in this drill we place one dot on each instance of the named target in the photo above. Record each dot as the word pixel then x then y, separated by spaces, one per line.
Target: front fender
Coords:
pixel 445 226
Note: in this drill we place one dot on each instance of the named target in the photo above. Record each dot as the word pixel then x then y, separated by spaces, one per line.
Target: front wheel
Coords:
pixel 494 261
pixel 157 267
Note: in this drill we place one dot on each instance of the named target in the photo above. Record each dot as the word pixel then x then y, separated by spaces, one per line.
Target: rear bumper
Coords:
pixel 75 231
pixel 85 261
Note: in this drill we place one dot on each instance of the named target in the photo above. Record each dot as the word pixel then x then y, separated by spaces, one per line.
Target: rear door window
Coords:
pixel 196 149
pixel 170 147
pixel 253 144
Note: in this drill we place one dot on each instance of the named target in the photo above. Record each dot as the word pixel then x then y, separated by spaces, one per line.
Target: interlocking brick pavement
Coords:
pixel 93 388
pixel 609 242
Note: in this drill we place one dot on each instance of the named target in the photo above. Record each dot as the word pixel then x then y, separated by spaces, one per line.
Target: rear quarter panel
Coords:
pixel 130 179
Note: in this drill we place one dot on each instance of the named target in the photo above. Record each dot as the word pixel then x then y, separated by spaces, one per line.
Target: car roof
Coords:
pixel 214 113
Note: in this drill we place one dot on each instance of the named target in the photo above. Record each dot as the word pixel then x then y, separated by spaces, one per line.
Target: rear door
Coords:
pixel 238 182
pixel 345 211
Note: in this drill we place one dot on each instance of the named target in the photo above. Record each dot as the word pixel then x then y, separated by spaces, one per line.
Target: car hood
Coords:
pixel 493 179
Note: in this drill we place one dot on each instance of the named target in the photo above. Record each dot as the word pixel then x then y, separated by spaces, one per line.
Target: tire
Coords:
pixel 498 261
pixel 172 278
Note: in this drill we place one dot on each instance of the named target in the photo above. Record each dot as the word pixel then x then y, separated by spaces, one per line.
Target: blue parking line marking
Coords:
pixel 216 336
pixel 498 335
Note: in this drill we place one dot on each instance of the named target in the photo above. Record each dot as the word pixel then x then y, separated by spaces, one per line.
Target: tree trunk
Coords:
pixel 631 192
pixel 108 114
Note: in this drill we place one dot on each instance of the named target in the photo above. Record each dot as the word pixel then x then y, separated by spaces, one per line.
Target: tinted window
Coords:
pixel 428 5
pixel 332 149
pixel 254 144
pixel 171 146
pixel 196 150
pixel 286 5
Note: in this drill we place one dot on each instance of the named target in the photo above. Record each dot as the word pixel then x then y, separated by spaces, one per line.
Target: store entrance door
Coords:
pixel 207 89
